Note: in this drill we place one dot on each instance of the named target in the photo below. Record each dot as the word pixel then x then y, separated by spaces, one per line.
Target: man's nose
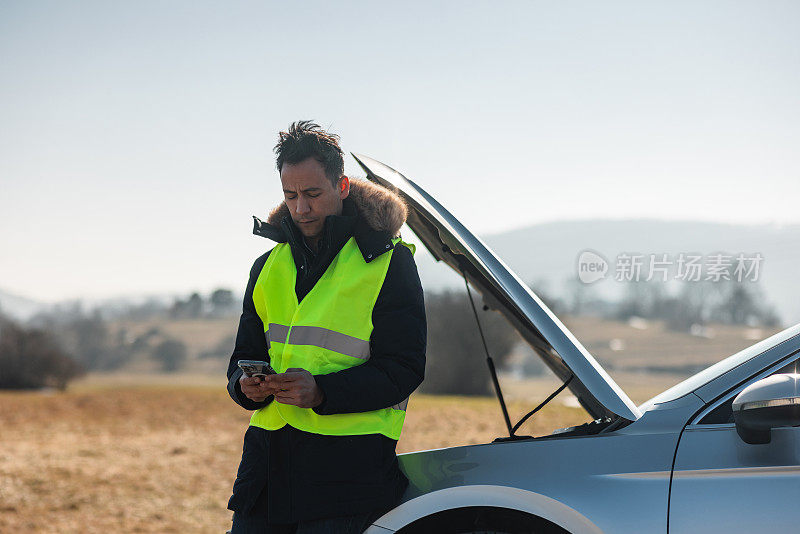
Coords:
pixel 302 205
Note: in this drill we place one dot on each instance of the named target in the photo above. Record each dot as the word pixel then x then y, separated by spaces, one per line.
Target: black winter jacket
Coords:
pixel 296 475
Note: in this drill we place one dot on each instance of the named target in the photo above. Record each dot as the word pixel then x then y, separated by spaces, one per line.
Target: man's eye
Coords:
pixel 315 195
pixel 290 197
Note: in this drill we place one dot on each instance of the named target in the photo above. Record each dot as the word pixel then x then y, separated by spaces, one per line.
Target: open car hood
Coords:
pixel 449 241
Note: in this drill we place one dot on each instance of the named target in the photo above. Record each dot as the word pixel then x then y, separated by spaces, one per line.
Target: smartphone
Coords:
pixel 255 368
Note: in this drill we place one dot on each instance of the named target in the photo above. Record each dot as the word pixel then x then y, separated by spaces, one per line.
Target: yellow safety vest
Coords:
pixel 327 332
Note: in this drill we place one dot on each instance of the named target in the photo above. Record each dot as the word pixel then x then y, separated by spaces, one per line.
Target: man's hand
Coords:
pixel 256 388
pixel 296 386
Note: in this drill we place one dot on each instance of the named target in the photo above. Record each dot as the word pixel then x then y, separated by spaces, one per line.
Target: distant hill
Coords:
pixel 19 307
pixel 548 253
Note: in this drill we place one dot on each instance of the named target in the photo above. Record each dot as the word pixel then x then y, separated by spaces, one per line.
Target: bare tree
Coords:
pixel 171 353
pixel 33 359
pixel 222 302
pixel 456 361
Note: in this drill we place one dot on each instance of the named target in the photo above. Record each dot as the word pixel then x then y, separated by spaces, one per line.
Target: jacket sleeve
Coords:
pixel 250 341
pixel 397 361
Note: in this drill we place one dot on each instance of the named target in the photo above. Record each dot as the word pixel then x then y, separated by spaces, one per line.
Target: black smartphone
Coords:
pixel 255 368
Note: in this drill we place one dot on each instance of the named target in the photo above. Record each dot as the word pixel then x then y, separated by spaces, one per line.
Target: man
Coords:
pixel 337 309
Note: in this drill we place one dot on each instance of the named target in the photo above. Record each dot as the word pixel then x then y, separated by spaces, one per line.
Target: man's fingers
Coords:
pixel 285 377
pixel 249 380
pixel 261 390
pixel 256 396
pixel 287 399
pixel 292 392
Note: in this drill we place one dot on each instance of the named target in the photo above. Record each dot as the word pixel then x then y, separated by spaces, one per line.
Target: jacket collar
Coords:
pixel 371 213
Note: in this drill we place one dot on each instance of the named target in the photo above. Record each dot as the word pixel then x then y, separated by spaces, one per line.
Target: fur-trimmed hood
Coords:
pixel 382 209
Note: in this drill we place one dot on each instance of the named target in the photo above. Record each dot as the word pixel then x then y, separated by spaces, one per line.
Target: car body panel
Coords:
pixel 449 241
pixel 601 480
pixel 752 485
pixel 619 482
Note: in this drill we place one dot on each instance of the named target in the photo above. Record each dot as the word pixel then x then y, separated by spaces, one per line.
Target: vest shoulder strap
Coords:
pixel 399 241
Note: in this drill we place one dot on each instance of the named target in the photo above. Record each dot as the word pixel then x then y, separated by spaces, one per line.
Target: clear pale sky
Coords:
pixel 136 137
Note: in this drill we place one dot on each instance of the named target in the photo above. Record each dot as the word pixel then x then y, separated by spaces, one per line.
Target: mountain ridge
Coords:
pixel 545 254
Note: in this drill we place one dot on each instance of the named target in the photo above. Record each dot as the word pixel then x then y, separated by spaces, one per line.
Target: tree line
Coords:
pixel 56 347
pixel 456 359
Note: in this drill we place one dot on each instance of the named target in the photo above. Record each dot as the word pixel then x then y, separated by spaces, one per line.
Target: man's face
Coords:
pixel 310 196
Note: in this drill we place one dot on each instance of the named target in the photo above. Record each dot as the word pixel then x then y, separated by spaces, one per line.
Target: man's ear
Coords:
pixel 344 187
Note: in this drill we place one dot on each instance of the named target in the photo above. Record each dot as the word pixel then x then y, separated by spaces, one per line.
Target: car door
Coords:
pixel 723 485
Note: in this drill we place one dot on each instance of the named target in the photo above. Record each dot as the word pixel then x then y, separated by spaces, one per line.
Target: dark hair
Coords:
pixel 306 139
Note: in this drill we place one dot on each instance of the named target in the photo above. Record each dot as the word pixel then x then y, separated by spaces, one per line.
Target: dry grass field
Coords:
pixel 130 452
pixel 104 457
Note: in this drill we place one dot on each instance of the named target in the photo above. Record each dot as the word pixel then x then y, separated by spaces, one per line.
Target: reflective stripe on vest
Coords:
pixel 319 337
pixel 328 331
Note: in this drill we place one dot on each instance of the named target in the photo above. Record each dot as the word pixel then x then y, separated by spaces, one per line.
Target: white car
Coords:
pixel 718 453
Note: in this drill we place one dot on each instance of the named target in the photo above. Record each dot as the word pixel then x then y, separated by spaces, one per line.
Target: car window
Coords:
pixel 720 368
pixel 724 412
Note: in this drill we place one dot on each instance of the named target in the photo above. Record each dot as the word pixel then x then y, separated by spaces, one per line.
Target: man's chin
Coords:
pixel 308 231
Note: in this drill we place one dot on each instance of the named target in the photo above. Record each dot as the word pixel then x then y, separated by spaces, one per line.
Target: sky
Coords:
pixel 136 137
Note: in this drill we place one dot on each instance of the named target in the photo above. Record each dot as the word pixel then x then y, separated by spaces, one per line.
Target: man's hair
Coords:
pixel 306 139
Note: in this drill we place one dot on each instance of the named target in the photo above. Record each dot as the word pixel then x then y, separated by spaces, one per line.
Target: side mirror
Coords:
pixel 772 402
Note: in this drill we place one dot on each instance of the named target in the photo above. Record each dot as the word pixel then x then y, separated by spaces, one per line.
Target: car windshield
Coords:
pixel 722 367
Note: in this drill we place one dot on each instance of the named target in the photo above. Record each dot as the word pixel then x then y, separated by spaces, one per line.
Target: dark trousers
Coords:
pixel 256 524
